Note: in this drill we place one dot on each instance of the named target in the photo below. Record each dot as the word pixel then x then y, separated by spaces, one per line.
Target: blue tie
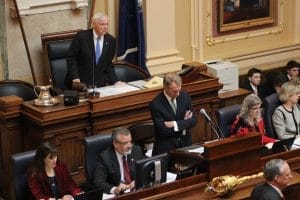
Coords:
pixel 98 50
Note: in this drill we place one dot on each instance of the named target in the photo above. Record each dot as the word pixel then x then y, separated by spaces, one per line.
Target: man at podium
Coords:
pixel 173 116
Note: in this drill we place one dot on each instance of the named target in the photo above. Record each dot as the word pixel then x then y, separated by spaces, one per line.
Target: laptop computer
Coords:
pixel 283 145
pixel 90 195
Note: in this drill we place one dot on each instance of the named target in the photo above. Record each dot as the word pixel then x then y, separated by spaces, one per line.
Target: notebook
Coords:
pixel 90 195
pixel 283 145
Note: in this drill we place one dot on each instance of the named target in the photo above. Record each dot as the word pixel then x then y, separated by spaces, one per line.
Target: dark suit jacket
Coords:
pixel 161 111
pixel 107 171
pixel 81 60
pixel 264 191
pixel 40 187
pixel 259 89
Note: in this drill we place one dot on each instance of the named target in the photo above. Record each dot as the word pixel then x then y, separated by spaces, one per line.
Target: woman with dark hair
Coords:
pixel 47 178
pixel 250 120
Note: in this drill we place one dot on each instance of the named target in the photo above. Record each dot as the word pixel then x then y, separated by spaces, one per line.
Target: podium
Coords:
pixel 225 156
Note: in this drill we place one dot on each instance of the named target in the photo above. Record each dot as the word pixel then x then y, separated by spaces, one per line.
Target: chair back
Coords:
pixel 19 88
pixel 93 146
pixel 127 72
pixel 225 118
pixel 142 134
pixel 57 46
pixel 269 104
pixel 20 164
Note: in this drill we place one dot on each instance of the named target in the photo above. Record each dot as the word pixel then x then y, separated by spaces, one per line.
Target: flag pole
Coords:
pixel 25 42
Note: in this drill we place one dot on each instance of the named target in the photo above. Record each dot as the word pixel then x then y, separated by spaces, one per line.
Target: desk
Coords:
pixel 24 125
pixel 192 188
pixel 233 97
pixel 67 126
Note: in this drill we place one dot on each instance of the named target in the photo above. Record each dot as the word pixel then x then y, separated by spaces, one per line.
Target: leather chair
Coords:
pixel 19 88
pixel 127 72
pixel 142 134
pixel 20 164
pixel 270 103
pixel 57 46
pixel 94 145
pixel 226 116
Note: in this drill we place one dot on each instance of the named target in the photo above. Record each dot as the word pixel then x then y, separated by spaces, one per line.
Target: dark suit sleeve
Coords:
pixel 161 112
pixel 101 175
pixel 112 78
pixel 186 123
pixel 72 58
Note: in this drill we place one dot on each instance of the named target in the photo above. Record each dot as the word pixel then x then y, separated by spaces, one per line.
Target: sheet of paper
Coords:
pixel 115 89
pixel 197 150
pixel 138 83
pixel 154 82
pixel 171 177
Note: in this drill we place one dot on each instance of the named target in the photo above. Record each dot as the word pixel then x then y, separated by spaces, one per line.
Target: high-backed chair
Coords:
pixel 56 46
pixel 270 103
pixel 127 72
pixel 19 88
pixel 20 164
pixel 142 134
pixel 226 116
pixel 94 145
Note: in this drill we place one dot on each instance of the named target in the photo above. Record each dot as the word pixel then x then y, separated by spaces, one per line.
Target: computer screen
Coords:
pixel 283 145
pixel 151 171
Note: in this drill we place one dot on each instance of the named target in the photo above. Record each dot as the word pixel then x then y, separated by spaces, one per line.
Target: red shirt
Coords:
pixel 40 186
pixel 240 128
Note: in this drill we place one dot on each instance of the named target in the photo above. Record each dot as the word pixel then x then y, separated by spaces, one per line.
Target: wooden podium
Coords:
pixel 233 155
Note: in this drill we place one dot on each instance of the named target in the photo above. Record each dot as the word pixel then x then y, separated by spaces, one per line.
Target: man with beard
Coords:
pixel 114 172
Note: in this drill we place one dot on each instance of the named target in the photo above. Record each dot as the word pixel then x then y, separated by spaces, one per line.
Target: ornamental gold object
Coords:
pixel 224 184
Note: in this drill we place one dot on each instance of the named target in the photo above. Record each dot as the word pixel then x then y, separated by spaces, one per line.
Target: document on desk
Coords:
pixel 115 89
pixel 197 150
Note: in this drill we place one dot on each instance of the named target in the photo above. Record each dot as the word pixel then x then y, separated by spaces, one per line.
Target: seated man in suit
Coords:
pixel 292 70
pixel 254 84
pixel 277 174
pixel 114 168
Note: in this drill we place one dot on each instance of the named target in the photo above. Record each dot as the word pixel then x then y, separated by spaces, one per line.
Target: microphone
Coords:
pixel 214 126
pixel 203 112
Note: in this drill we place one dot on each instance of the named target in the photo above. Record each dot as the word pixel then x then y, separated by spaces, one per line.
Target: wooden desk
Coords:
pixel 233 97
pixel 192 188
pixel 67 126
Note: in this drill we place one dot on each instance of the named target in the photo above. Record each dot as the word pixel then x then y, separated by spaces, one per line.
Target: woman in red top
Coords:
pixel 47 178
pixel 250 120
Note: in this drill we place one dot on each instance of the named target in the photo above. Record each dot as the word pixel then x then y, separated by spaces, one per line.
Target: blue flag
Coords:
pixel 131 39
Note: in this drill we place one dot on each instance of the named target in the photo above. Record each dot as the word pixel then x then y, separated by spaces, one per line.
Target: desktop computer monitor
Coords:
pixel 151 171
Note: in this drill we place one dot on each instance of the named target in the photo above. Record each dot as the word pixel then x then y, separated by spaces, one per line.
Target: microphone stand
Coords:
pixel 213 126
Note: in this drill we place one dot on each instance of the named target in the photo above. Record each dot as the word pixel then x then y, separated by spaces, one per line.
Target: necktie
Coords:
pixel 98 50
pixel 173 105
pixel 126 171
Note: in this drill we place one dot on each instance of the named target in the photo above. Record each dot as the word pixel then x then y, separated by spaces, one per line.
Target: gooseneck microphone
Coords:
pixel 214 126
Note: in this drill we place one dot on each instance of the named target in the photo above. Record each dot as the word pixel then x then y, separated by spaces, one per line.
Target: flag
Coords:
pixel 131 39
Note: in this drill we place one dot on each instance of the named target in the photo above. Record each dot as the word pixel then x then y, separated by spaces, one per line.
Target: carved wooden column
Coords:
pixel 10 138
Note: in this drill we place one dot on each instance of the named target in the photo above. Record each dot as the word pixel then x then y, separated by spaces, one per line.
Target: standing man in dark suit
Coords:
pixel 277 174
pixel 173 116
pixel 114 172
pixel 90 55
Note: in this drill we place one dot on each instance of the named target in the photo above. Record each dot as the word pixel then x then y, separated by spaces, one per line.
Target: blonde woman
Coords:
pixel 250 119
pixel 286 117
